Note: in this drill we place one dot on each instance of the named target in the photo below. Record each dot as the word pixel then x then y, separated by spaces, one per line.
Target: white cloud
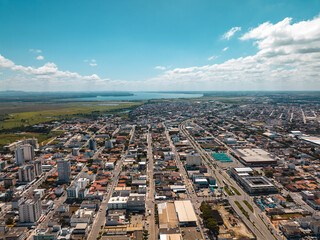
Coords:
pixel 40 57
pixel 91 62
pixel 225 49
pixel 49 72
pixel 288 58
pixel 212 58
pixel 35 50
pixel 231 32
pixel 160 67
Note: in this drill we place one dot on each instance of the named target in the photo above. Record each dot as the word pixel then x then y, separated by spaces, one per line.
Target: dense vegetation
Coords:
pixel 208 218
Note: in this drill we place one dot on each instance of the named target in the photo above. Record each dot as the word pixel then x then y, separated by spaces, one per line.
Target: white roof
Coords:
pixel 245 169
pixel 255 155
pixel 315 140
pixel 185 211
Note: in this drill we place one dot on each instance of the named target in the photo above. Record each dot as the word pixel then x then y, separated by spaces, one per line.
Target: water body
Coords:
pixel 139 96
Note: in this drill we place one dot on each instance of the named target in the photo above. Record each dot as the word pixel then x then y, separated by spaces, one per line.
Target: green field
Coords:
pixel 15 117
pixel 10 118
pixel 11 137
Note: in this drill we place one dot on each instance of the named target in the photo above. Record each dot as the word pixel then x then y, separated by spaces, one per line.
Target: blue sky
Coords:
pixel 152 45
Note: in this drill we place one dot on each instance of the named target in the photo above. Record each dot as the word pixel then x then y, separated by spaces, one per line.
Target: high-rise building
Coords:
pixel 75 151
pixel 109 144
pixel 28 152
pixel 26 173
pixel 193 159
pixel 64 170
pixel 30 211
pixel 19 156
pixel 73 191
pixel 32 141
pixel 92 144
pixel 37 167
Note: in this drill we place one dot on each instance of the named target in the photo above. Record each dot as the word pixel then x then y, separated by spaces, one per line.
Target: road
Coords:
pixel 151 227
pixel 189 185
pixel 57 204
pixel 38 182
pixel 256 225
pixel 100 218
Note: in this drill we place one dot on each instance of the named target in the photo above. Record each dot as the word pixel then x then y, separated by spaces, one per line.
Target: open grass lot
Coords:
pixel 26 114
pixel 11 137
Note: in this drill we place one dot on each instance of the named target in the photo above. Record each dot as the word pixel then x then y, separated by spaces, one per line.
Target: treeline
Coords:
pixel 13 96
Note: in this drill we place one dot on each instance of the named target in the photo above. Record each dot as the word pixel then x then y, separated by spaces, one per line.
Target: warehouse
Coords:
pixel 255 157
pixel 185 213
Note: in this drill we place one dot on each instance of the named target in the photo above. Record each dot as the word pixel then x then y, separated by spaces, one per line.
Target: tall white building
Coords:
pixel 194 159
pixel 28 152
pixel 19 156
pixel 30 211
pixel 73 191
pixel 64 170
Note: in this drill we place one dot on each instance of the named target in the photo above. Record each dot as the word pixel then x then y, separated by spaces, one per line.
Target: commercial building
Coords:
pixel 185 213
pixel 30 211
pixel 118 203
pixel 193 159
pixel 255 157
pixel 252 184
pixel 64 170
pixel 136 202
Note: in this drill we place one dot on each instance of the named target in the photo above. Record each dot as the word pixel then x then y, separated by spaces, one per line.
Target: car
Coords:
pixel 198 229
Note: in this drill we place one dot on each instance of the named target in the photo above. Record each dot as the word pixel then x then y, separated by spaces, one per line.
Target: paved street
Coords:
pixel 100 218
pixel 151 227
pixel 256 225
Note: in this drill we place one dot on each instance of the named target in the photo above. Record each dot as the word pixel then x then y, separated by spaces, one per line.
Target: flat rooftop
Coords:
pixel 314 140
pixel 167 216
pixel 253 155
pixel 258 182
pixel 185 211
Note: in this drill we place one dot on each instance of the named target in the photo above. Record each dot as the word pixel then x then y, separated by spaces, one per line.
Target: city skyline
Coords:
pixel 189 46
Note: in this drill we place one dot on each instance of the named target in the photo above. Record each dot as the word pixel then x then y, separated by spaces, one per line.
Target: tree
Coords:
pixel 212 225
pixel 269 173
pixel 10 221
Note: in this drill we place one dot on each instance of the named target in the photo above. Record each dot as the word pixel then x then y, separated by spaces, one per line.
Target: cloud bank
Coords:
pixel 287 58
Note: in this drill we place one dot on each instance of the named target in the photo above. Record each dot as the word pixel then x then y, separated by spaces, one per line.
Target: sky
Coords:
pixel 148 45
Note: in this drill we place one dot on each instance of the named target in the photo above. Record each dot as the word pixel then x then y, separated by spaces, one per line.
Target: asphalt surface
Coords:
pixel 255 224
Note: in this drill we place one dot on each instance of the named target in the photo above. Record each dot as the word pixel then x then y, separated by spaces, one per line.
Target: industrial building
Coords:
pixel 255 157
pixel 312 140
pixel 252 184
pixel 185 213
